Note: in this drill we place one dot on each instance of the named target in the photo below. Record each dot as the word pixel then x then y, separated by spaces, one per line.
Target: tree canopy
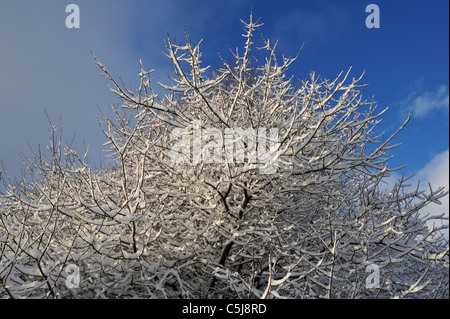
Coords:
pixel 234 183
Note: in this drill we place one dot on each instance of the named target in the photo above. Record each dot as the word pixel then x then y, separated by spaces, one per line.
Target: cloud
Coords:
pixel 429 101
pixel 436 173
pixel 424 102
pixel 46 66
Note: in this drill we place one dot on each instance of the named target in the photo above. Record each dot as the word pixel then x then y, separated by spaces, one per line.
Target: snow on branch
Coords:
pixel 233 183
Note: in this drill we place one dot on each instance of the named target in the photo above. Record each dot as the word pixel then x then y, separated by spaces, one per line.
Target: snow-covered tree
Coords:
pixel 235 183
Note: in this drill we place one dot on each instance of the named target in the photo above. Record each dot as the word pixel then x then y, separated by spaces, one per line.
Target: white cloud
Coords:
pixel 429 101
pixel 423 102
pixel 44 65
pixel 436 172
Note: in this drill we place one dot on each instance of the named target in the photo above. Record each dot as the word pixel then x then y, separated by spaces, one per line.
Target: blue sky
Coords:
pixel 46 66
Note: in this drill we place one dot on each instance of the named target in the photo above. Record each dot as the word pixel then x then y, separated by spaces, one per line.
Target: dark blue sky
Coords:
pixel 44 65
